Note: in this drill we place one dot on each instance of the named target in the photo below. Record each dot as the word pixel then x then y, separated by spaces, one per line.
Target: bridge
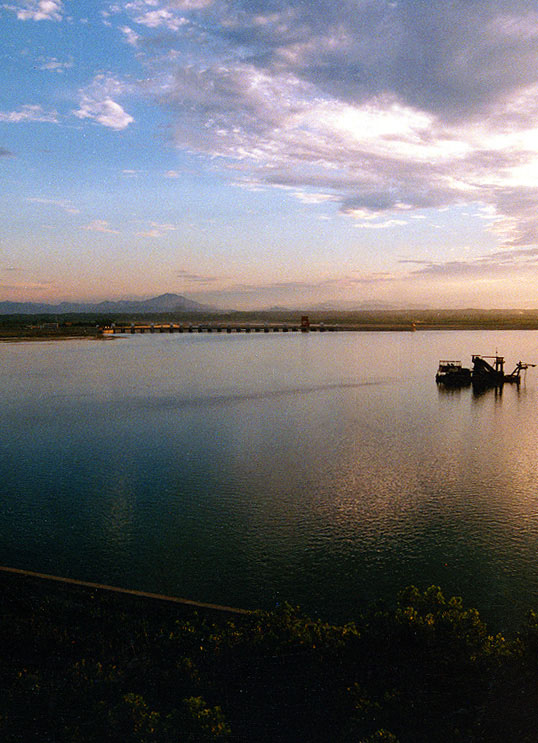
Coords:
pixel 215 327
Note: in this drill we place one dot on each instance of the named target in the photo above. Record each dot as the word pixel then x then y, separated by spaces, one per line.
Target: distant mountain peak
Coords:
pixel 167 302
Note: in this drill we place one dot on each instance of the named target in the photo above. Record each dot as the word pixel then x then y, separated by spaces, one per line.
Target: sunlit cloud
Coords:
pixel 318 98
pixel 131 37
pixel 383 225
pixel 97 104
pixel 161 17
pixel 313 198
pixel 37 10
pixel 106 112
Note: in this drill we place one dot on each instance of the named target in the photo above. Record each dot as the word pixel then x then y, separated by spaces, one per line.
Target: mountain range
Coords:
pixel 163 303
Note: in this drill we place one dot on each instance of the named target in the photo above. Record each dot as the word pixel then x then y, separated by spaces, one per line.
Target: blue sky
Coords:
pixel 251 154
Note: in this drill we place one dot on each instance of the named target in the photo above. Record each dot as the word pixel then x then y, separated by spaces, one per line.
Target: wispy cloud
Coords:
pixel 497 269
pixel 53 64
pixel 293 293
pixel 34 286
pixel 101 225
pixel 157 230
pixel 289 288
pixel 59 203
pixel 497 265
pixel 195 278
pixel 29 112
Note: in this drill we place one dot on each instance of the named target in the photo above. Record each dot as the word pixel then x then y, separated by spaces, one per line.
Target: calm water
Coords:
pixel 327 470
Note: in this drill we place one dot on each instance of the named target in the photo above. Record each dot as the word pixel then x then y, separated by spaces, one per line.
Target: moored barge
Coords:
pixel 452 374
pixel 487 371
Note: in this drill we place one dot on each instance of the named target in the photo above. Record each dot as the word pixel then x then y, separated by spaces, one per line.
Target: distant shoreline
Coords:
pixel 22 336
pixel 366 329
pixel 11 338
pixel 81 326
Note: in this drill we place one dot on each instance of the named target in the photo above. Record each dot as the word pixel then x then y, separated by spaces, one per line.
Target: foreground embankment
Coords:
pixel 78 663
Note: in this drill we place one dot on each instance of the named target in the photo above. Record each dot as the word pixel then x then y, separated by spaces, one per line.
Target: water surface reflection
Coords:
pixel 326 470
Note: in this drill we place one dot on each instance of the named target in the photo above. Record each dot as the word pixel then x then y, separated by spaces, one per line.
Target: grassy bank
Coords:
pixel 79 664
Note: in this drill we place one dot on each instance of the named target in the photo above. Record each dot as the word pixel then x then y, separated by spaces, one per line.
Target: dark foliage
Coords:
pixel 83 666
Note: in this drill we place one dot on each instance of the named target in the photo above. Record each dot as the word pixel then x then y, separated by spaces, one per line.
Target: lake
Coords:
pixel 327 470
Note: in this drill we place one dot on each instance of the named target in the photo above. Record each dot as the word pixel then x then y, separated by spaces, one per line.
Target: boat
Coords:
pixel 452 374
pixel 486 374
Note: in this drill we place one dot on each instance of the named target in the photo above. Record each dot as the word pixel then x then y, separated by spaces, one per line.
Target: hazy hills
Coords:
pixel 169 303
pixel 163 303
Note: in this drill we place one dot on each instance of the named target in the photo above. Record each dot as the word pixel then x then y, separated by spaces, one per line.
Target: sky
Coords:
pixel 251 154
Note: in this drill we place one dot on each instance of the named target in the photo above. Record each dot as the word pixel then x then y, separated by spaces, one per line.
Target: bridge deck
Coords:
pixel 241 328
